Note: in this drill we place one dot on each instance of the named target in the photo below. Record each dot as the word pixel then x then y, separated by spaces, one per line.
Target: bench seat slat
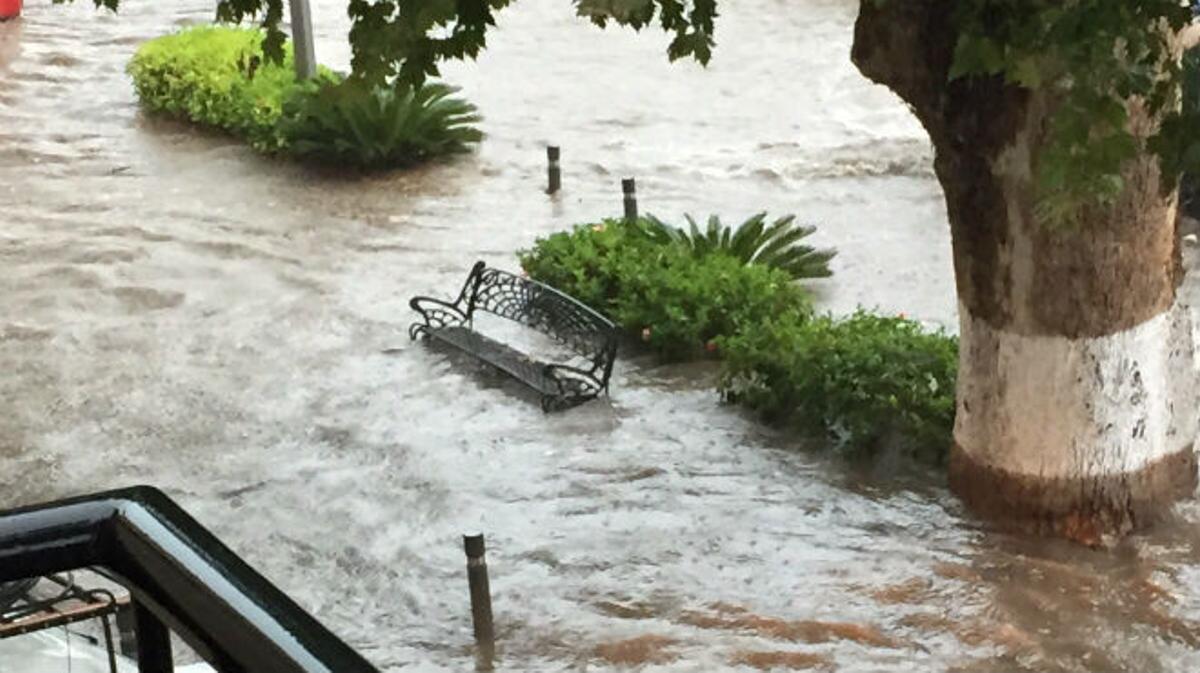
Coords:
pixel 514 362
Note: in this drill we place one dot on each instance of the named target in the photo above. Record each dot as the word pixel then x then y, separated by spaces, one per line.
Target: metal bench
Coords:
pixel 580 329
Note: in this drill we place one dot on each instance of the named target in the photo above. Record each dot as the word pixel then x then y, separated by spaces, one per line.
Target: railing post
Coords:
pixel 153 642
pixel 629 189
pixel 127 631
pixel 109 646
pixel 481 601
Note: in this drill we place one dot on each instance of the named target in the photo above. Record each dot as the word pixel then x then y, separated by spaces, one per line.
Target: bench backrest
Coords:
pixel 546 310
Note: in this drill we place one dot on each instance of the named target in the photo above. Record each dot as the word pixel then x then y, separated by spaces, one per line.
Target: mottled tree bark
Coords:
pixel 1076 397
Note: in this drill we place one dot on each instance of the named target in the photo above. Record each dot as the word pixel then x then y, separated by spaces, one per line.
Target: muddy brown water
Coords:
pixel 175 310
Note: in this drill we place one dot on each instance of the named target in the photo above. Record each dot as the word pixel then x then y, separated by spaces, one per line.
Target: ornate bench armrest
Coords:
pixel 575 385
pixel 437 313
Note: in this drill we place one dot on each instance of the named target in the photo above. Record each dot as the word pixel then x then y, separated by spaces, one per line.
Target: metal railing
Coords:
pixel 181 578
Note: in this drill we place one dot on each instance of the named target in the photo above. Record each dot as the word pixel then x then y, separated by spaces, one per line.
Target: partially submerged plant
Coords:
pixel 776 245
pixel 381 127
pixel 866 381
pixel 215 76
pixel 675 301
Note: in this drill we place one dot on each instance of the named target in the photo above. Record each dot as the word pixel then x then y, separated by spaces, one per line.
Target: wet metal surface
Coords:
pixel 177 311
pixel 179 576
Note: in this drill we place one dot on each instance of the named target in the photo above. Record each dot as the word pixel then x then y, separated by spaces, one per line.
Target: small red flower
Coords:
pixel 711 347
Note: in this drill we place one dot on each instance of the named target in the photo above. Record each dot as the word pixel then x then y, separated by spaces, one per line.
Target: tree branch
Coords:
pixel 908 47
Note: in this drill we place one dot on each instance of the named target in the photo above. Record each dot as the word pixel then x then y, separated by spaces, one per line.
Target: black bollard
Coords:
pixel 629 189
pixel 555 173
pixel 481 601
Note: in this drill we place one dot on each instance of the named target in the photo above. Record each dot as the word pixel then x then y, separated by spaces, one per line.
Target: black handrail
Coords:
pixel 179 575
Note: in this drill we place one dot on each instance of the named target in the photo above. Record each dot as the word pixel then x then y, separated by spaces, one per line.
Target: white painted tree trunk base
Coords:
pixel 1090 432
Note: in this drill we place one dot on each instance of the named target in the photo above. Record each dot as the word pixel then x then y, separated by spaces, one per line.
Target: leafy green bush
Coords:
pixel 776 245
pixel 680 304
pixel 581 262
pixel 866 380
pixel 216 76
pixel 676 302
pixel 380 127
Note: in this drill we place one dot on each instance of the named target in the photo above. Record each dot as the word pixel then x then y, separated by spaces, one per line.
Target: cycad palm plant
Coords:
pixel 776 245
pixel 381 127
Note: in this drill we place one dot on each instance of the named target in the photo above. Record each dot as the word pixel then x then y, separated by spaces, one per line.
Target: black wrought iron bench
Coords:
pixel 582 330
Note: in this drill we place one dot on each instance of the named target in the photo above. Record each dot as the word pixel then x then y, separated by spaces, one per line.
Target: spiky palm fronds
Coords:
pixel 777 244
pixel 381 127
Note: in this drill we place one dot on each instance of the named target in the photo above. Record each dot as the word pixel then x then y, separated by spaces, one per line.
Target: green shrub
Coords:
pixel 380 127
pixel 216 76
pixel 776 245
pixel 679 304
pixel 866 380
pixel 581 262
pixel 676 302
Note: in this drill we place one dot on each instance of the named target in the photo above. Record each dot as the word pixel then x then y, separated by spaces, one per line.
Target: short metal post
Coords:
pixel 629 189
pixel 555 173
pixel 153 642
pixel 481 601
pixel 302 40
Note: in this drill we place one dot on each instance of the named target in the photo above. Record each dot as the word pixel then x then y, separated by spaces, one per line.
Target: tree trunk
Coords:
pixel 1077 407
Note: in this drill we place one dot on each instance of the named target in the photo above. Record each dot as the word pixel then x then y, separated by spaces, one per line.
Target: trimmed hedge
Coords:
pixel 864 381
pixel 661 293
pixel 216 76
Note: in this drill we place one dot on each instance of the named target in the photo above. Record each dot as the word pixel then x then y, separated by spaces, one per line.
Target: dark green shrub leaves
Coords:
pixel 675 301
pixel 776 245
pixel 217 76
pixel 865 380
pixel 380 127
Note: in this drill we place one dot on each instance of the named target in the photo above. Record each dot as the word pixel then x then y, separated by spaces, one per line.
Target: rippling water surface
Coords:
pixel 178 311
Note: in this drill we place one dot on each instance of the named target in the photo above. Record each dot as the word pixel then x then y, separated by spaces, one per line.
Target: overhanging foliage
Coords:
pixel 1092 56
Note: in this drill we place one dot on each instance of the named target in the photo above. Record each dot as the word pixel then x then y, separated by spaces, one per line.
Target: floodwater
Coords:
pixel 175 310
